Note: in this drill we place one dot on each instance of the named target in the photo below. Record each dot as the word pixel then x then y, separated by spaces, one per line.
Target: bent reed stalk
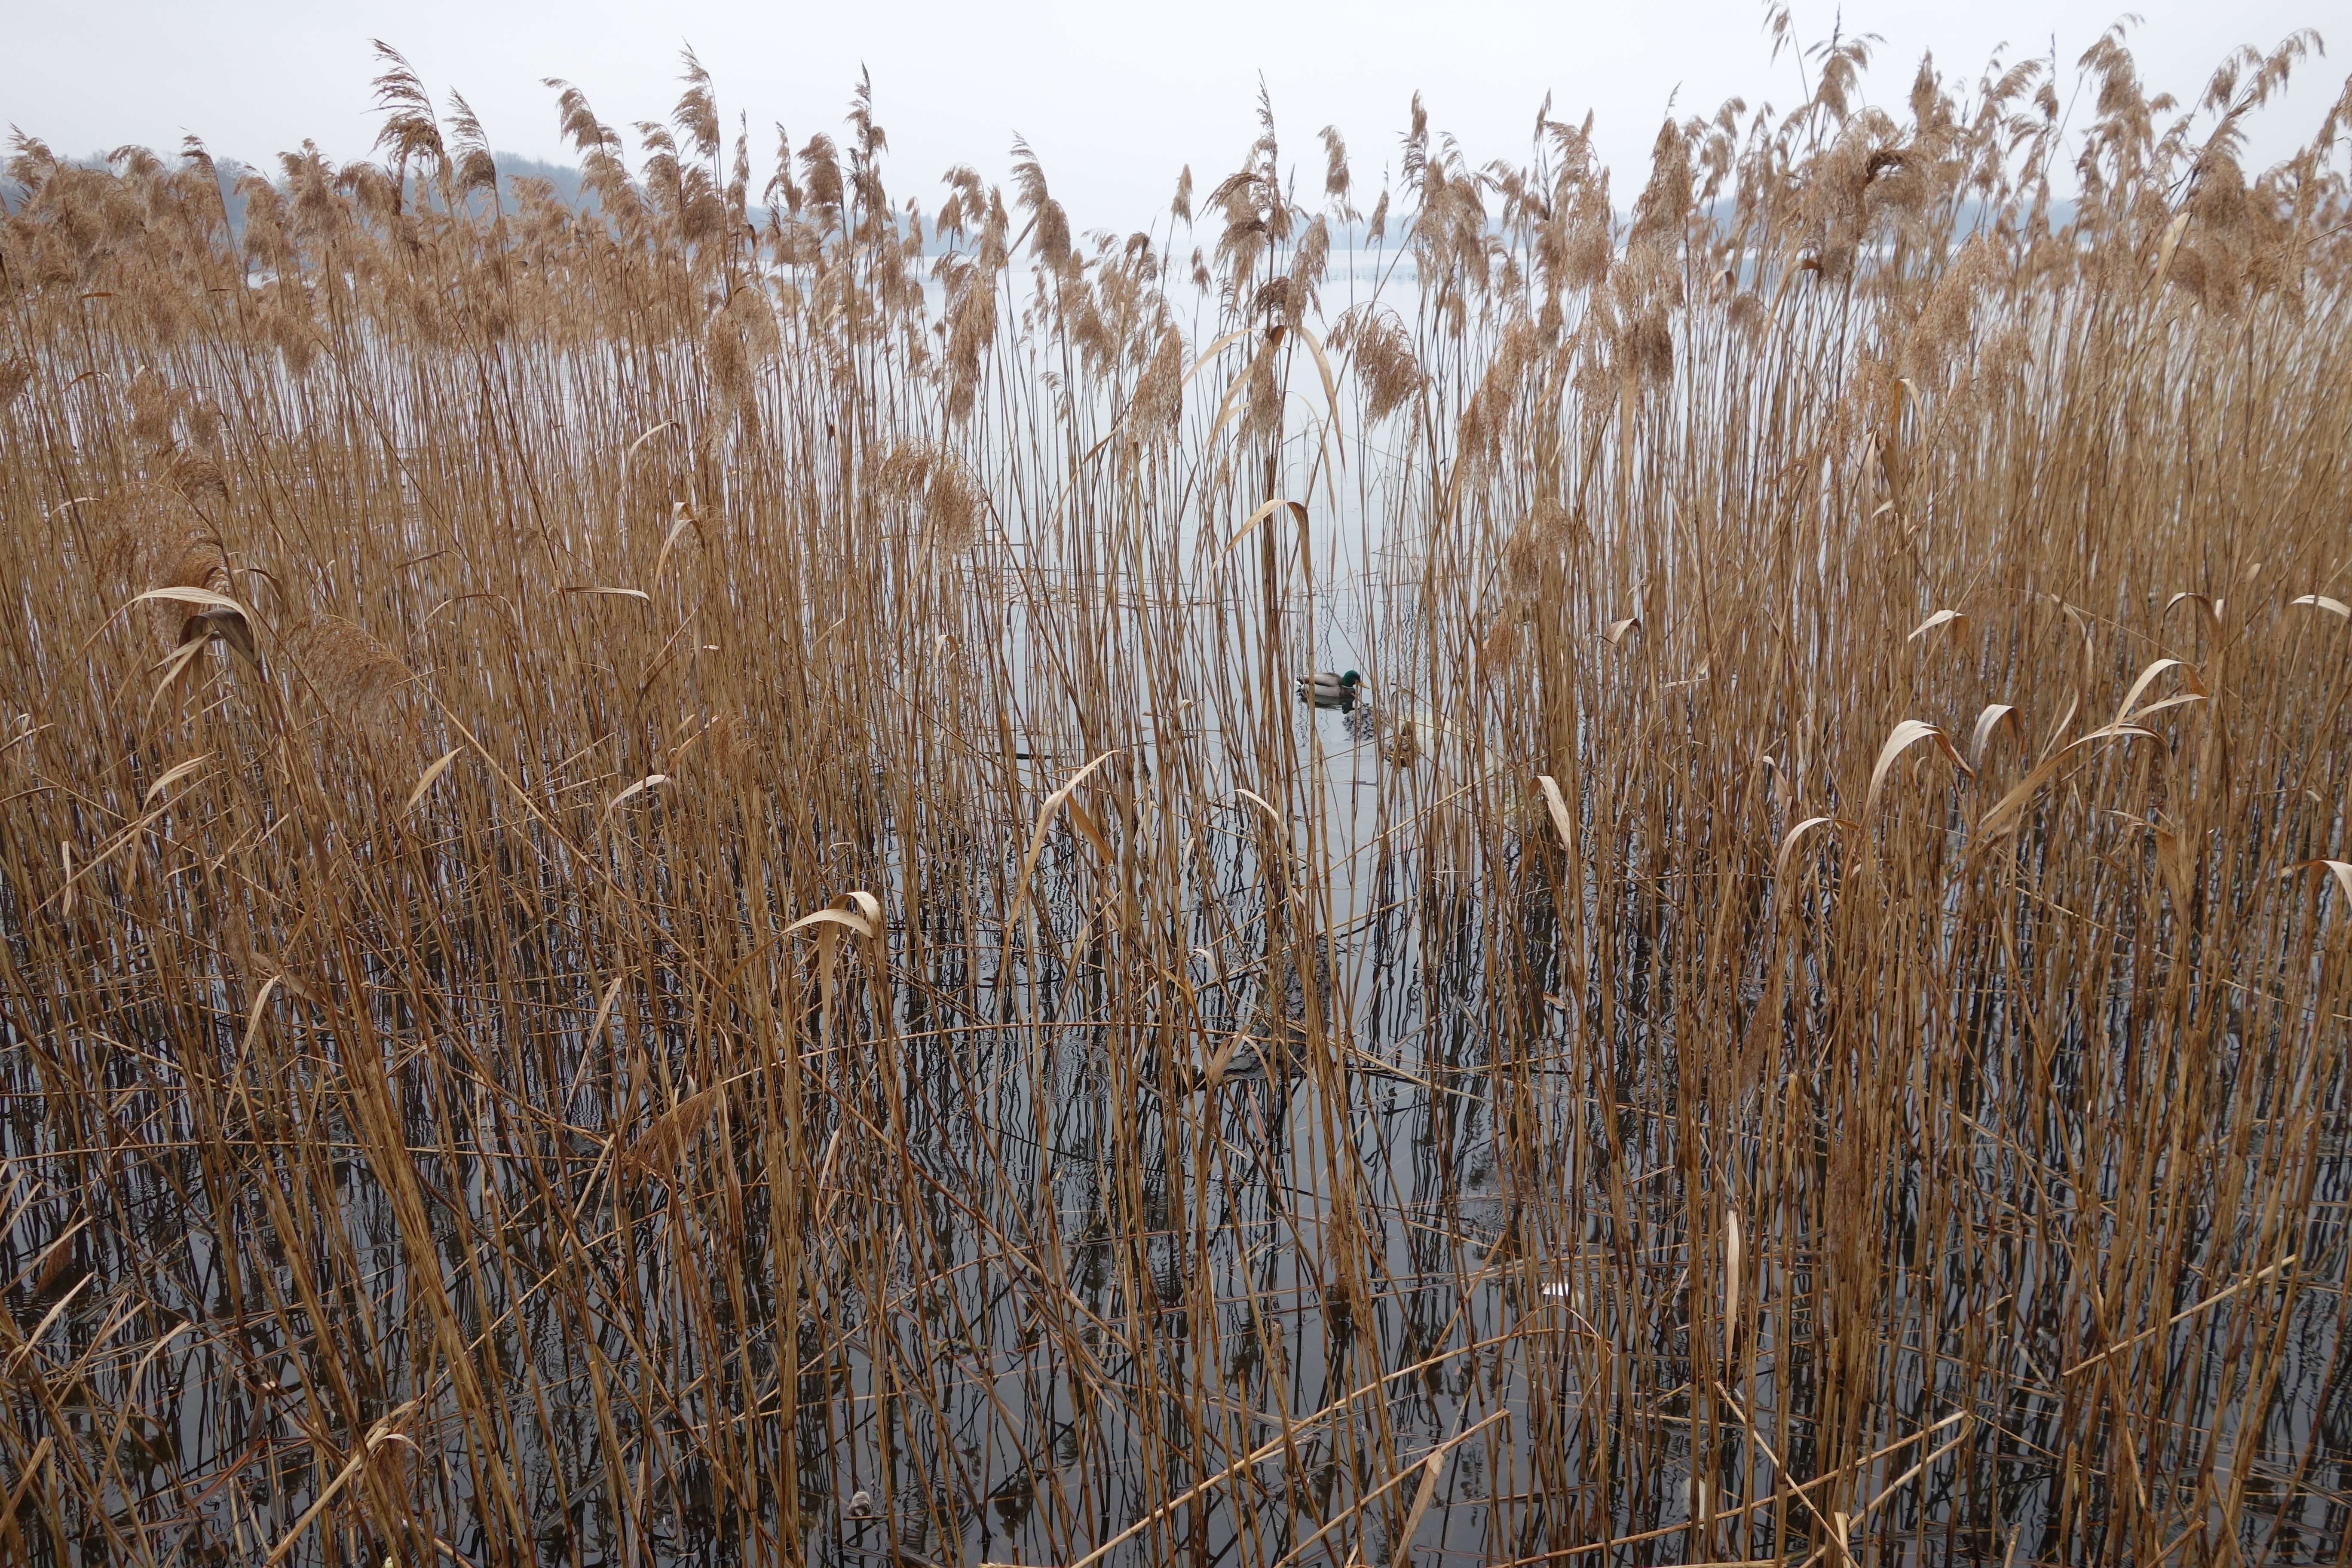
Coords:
pixel 662 868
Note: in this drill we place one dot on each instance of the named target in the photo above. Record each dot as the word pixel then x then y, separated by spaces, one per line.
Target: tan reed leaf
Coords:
pixel 1789 846
pixel 1083 820
pixel 2339 869
pixel 2009 811
pixel 1991 717
pixel 1906 735
pixel 1561 822
pixel 1940 619
pixel 852 920
pixel 681 519
pixel 1298 508
pixel 1037 837
pixel 650 782
pixel 1734 1260
pixel 2209 608
pixel 172 776
pixel 203 597
pixel 2130 710
pixel 426 780
pixel 862 918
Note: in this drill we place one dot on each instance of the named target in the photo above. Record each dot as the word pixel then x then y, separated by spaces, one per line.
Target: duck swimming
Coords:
pixel 1326 689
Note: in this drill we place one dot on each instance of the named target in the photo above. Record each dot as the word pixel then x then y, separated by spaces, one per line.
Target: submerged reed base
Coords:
pixel 668 897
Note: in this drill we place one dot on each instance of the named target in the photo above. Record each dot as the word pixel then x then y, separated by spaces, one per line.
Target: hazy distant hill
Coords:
pixel 565 179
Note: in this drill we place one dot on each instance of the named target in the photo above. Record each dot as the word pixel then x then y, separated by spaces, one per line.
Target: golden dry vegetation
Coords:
pixel 664 888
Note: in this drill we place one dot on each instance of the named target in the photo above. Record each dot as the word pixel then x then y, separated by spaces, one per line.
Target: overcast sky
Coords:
pixel 1115 99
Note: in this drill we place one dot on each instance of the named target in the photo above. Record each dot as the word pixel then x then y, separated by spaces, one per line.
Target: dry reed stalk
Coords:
pixel 1804 1017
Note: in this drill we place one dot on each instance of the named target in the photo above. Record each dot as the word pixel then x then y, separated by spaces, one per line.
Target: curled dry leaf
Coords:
pixel 425 780
pixel 217 615
pixel 2340 869
pixel 1733 1260
pixel 1789 846
pixel 1037 838
pixel 650 782
pixel 1562 823
pixel 253 1017
pixel 173 776
pixel 2130 710
pixel 680 520
pixel 2335 608
pixel 649 435
pixel 1298 508
pixel 863 915
pixel 203 597
pixel 2210 608
pixel 863 918
pixel 1906 734
pixel 1083 820
pixel 234 632
pixel 1992 716
pixel 1263 804
pixel 2009 810
pixel 173 668
pixel 1940 619
pixel 1616 631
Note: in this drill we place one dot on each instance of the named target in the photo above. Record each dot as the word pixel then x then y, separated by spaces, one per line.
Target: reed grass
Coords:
pixel 666 900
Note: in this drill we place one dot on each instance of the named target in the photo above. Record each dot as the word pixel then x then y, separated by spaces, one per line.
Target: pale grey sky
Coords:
pixel 1115 99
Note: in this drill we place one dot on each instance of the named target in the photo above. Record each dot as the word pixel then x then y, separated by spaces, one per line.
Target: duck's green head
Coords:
pixel 1351 680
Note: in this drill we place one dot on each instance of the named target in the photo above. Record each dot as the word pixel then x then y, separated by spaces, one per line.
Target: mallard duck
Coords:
pixel 1326 689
